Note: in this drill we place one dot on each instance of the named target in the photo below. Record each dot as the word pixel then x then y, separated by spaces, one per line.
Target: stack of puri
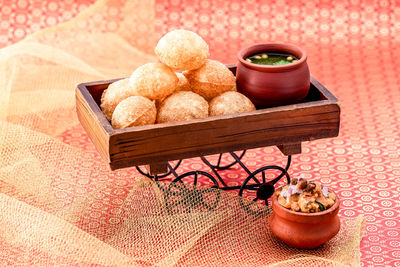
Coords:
pixel 155 93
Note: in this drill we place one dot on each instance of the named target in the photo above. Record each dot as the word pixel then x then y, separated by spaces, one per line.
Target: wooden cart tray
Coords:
pixel 318 116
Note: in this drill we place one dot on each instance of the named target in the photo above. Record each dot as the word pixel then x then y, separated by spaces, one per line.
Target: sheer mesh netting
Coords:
pixel 60 204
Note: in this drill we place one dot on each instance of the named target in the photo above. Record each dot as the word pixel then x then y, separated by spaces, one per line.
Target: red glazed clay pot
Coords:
pixel 267 85
pixel 304 230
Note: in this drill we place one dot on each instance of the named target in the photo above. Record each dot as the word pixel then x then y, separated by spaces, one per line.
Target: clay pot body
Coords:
pixel 267 85
pixel 304 230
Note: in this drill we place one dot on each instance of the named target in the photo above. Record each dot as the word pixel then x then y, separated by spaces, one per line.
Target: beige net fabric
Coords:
pixel 60 204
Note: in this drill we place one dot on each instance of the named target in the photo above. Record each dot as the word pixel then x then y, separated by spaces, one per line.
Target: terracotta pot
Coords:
pixel 267 85
pixel 304 230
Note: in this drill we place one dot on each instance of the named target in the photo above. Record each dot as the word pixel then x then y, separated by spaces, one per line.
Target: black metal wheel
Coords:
pixel 183 194
pixel 264 189
pixel 218 165
pixel 158 176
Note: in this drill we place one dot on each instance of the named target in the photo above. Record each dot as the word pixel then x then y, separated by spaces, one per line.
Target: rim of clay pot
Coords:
pixel 302 217
pixel 265 47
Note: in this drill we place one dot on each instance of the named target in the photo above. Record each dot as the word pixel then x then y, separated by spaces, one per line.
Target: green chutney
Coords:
pixel 272 58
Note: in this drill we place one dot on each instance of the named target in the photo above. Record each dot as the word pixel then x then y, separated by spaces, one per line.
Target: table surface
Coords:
pixel 353 50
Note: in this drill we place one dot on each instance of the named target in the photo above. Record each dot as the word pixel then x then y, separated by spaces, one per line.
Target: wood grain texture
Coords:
pixel 89 119
pixel 318 116
pixel 157 168
pixel 290 149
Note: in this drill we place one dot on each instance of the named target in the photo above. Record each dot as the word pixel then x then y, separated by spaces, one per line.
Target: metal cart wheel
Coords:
pixel 264 189
pixel 158 176
pixel 183 192
pixel 218 166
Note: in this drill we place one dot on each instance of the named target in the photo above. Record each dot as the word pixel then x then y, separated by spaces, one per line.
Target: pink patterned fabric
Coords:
pixel 353 49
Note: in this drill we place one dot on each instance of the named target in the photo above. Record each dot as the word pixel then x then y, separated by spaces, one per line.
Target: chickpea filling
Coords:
pixel 305 196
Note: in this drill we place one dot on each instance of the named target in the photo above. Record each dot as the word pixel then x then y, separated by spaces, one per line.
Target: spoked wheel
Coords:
pixel 218 164
pixel 264 189
pixel 184 196
pixel 158 176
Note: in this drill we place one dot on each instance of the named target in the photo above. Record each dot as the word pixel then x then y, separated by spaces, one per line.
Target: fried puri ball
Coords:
pixel 134 111
pixel 182 50
pixel 114 94
pixel 211 80
pixel 154 81
pixel 182 106
pixel 229 103
pixel 183 84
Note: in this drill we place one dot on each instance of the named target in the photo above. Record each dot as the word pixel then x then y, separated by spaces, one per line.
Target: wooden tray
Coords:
pixel 318 116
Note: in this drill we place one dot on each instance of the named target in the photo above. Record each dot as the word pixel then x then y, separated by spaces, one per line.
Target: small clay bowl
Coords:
pixel 304 230
pixel 268 85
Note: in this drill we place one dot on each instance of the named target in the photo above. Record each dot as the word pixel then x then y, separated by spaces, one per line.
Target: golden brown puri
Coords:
pixel 183 84
pixel 182 50
pixel 211 80
pixel 154 81
pixel 182 106
pixel 134 111
pixel 229 103
pixel 114 94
